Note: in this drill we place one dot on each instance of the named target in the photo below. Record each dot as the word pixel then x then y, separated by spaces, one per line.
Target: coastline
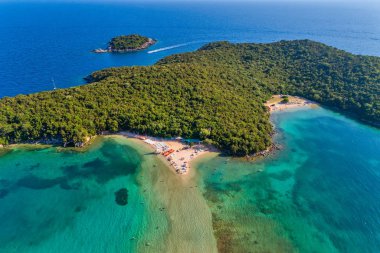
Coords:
pixel 190 220
pixel 275 105
pixel 144 46
pixel 177 206
pixel 285 102
pixel 179 200
pixel 176 153
pixel 179 159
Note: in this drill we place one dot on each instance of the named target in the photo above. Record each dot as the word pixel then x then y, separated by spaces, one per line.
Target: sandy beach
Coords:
pixel 177 152
pixel 180 219
pixel 280 103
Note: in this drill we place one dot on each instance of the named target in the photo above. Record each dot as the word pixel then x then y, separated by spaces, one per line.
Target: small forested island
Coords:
pixel 216 94
pixel 127 43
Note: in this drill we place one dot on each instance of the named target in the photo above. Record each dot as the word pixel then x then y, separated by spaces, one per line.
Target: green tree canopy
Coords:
pixel 215 94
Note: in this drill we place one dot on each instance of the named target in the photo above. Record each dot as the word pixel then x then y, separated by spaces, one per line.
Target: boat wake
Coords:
pixel 168 48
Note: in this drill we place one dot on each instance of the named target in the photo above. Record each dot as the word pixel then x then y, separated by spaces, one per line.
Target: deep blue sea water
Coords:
pixel 42 41
pixel 321 193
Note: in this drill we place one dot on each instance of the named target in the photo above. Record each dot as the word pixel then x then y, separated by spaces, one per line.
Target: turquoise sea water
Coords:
pixel 55 201
pixel 320 193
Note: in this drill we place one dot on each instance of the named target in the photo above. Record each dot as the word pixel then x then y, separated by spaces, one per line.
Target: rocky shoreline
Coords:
pixel 53 142
pixel 110 49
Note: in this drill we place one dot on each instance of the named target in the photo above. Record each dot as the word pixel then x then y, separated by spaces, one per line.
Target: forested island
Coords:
pixel 127 43
pixel 216 93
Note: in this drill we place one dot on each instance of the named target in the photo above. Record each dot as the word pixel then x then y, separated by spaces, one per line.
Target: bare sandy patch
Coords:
pixel 176 151
pixel 283 102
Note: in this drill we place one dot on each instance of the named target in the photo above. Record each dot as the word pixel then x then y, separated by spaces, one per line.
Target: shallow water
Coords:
pixel 188 223
pixel 65 201
pixel 319 194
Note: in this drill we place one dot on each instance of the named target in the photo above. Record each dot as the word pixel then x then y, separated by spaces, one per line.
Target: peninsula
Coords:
pixel 127 43
pixel 215 94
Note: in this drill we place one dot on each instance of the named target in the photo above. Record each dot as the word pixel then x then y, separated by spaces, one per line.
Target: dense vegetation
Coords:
pixel 216 94
pixel 332 77
pixel 127 42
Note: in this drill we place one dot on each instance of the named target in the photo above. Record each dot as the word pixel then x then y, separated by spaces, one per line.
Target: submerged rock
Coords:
pixel 79 209
pixel 3 193
pixel 121 197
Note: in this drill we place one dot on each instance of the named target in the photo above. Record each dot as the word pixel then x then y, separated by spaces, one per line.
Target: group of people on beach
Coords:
pixel 175 151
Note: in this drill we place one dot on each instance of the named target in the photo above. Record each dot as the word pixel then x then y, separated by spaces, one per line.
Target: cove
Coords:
pixel 320 193
pixel 64 201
